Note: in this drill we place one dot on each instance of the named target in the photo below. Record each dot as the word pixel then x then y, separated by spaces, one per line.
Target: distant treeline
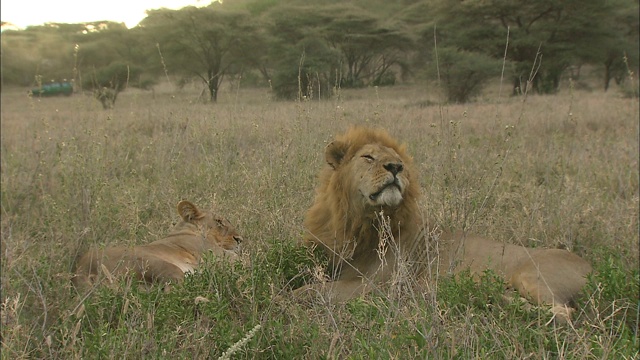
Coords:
pixel 309 49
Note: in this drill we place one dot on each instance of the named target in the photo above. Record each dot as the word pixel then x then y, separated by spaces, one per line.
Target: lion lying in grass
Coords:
pixel 167 259
pixel 370 185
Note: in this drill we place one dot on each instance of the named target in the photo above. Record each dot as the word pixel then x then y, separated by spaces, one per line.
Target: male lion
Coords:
pixel 167 259
pixel 370 185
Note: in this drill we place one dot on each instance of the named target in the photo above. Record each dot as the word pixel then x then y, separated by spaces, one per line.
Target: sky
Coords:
pixel 23 13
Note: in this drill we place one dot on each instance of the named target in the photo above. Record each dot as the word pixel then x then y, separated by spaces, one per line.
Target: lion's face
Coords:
pixel 369 183
pixel 378 172
pixel 372 172
pixel 368 171
pixel 218 230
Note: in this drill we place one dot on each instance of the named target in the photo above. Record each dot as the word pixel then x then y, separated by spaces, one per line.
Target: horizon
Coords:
pixel 21 15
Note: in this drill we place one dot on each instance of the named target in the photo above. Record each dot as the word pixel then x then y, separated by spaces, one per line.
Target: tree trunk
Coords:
pixel 213 82
pixel 607 73
pixel 213 91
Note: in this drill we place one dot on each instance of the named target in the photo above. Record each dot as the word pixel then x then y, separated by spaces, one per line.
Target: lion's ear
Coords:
pixel 335 152
pixel 188 211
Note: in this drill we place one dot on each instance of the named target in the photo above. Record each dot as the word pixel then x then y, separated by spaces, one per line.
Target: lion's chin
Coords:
pixel 391 196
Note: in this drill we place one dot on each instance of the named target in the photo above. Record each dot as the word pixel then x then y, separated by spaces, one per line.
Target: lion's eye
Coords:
pixel 369 158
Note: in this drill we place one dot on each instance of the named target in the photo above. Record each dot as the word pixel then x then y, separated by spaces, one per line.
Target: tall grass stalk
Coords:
pixel 74 176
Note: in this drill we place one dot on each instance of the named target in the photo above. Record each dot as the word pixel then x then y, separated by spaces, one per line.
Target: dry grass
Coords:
pixel 557 171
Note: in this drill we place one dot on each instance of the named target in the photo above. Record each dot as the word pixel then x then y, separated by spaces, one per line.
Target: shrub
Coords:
pixel 462 74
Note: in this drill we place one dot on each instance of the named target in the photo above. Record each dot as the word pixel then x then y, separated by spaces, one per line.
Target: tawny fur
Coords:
pixel 345 221
pixel 167 259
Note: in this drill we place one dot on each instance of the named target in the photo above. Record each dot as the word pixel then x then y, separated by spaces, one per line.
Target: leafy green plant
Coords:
pixel 74 176
pixel 462 74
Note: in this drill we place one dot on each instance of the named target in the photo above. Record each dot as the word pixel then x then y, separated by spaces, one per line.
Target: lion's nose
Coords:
pixel 394 168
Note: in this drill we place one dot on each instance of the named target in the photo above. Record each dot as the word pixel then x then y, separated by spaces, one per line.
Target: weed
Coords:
pixel 73 176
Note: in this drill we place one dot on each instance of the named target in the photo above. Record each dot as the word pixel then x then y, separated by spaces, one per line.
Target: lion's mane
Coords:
pixel 366 216
pixel 346 226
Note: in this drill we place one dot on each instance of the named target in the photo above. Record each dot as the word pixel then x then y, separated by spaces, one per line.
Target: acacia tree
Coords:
pixel 39 52
pixel 304 65
pixel 620 52
pixel 462 74
pixel 560 30
pixel 318 47
pixel 107 82
pixel 203 42
pixel 368 48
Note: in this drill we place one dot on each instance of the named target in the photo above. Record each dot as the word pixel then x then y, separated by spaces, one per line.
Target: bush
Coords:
pixel 306 71
pixel 388 78
pixel 462 74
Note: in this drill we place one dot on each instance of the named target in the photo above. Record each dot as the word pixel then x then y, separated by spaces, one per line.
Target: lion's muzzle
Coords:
pixel 393 167
pixel 390 193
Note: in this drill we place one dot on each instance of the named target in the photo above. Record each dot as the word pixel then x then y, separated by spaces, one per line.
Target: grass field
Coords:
pixel 554 171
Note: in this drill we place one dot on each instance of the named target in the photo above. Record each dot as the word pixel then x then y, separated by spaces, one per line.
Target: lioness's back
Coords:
pixel 166 259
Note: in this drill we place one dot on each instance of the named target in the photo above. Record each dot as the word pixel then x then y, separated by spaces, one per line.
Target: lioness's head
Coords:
pixel 219 230
pixel 372 164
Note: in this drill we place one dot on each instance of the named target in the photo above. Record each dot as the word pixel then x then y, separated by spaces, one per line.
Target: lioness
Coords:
pixel 369 178
pixel 167 259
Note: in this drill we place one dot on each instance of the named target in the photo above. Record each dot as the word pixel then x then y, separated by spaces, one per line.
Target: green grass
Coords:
pixel 549 171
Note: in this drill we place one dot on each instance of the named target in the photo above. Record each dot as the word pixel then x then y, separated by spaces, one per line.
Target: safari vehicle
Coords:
pixel 53 89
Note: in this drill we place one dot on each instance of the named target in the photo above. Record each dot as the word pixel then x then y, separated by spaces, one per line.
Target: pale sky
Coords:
pixel 24 13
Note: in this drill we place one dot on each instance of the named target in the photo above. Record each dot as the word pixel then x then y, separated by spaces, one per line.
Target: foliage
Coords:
pixel 101 48
pixel 461 73
pixel 313 78
pixel 34 54
pixel 615 290
pixel 345 44
pixel 548 36
pixel 350 48
pixel 306 66
pixel 116 76
pixel 620 51
pixel 74 176
pixel 204 42
pixel 369 48
pixel 107 82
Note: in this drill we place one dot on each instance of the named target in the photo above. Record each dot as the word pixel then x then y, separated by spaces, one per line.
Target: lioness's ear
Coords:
pixel 335 152
pixel 188 211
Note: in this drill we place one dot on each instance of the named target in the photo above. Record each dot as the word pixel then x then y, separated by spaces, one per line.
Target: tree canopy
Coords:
pixel 303 48
pixel 204 42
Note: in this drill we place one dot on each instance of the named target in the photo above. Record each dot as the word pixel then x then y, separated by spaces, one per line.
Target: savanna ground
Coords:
pixel 555 171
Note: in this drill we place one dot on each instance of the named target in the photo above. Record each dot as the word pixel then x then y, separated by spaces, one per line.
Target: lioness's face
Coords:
pixel 222 233
pixel 381 177
pixel 219 230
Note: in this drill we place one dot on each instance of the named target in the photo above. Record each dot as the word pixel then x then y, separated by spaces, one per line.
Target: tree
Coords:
pixel 305 66
pixel 620 52
pixel 562 30
pixel 111 58
pixel 204 42
pixel 306 71
pixel 107 82
pixel 462 73
pixel 329 44
pixel 368 48
pixel 38 52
